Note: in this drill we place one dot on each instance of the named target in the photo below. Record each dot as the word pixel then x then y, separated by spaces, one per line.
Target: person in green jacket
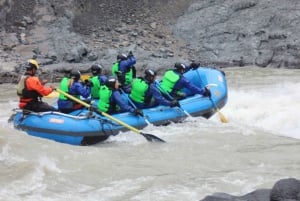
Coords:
pixel 97 80
pixel 173 82
pixel 111 100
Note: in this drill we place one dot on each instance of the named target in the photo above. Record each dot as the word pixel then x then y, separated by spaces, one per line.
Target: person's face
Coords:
pixel 117 84
pixel 33 71
pixel 152 78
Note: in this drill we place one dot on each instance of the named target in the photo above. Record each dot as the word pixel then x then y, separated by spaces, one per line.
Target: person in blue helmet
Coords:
pixel 97 80
pixel 145 93
pixel 111 100
pixel 173 81
pixel 73 86
pixel 125 70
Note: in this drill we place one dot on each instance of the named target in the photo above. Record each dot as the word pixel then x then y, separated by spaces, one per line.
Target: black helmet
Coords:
pixel 179 66
pixel 75 74
pixel 150 72
pixel 111 82
pixel 96 69
pixel 150 75
pixel 121 57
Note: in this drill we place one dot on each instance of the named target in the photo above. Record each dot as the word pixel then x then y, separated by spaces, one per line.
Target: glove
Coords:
pixel 118 73
pixel 138 112
pixel 194 65
pixel 121 77
pixel 181 95
pixel 175 103
pixel 130 54
pixel 207 92
pixel 88 83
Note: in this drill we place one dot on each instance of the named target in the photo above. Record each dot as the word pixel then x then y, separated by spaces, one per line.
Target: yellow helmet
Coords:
pixel 32 63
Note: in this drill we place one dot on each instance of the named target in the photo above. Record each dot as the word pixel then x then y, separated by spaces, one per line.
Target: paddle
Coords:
pixel 149 137
pixel 221 116
pixel 84 77
pixel 53 94
pixel 133 105
pixel 171 98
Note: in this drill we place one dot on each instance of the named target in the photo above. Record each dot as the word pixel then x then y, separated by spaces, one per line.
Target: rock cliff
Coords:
pixel 76 33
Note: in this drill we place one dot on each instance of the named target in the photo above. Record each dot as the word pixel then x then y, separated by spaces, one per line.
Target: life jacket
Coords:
pixel 22 90
pixel 128 75
pixel 21 85
pixel 138 90
pixel 104 95
pixel 26 96
pixel 168 82
pixel 64 86
pixel 96 86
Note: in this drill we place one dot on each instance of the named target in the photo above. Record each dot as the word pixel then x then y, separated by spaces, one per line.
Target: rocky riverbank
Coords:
pixel 283 190
pixel 75 34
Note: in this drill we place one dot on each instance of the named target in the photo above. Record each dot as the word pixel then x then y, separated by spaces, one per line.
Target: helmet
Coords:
pixel 75 74
pixel 121 57
pixel 149 74
pixel 111 82
pixel 31 63
pixel 179 66
pixel 96 69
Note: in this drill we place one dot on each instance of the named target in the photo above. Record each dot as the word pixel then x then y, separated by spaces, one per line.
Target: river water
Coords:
pixel 259 146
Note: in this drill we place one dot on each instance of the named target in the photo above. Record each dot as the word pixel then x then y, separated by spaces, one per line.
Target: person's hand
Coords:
pixel 207 92
pixel 130 54
pixel 194 65
pixel 181 95
pixel 52 87
pixel 44 82
pixel 138 112
pixel 88 83
pixel 175 103
pixel 118 73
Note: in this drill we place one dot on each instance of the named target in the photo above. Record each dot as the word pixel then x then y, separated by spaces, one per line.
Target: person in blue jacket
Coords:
pixel 173 81
pixel 111 100
pixel 145 92
pixel 125 70
pixel 73 86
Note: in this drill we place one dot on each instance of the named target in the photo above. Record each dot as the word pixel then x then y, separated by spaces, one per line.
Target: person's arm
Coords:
pixel 33 83
pixel 158 96
pixel 125 65
pixel 193 88
pixel 119 100
pixel 102 79
pixel 85 92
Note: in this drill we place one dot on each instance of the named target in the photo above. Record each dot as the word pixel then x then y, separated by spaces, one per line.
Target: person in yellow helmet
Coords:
pixel 31 90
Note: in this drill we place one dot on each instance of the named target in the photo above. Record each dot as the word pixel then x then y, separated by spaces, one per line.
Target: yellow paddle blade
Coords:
pixel 85 77
pixel 53 94
pixel 222 117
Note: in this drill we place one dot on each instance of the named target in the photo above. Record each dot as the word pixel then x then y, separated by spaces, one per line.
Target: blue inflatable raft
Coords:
pixel 85 127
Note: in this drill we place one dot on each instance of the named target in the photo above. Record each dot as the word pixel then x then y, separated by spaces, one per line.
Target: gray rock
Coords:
pixel 283 190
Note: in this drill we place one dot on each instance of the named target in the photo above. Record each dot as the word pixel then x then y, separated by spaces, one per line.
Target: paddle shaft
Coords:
pixel 171 98
pixel 221 116
pixel 133 105
pixel 149 137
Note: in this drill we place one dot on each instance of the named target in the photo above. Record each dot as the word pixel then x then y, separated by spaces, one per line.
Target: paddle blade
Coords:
pixel 84 77
pixel 152 138
pixel 222 117
pixel 53 94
